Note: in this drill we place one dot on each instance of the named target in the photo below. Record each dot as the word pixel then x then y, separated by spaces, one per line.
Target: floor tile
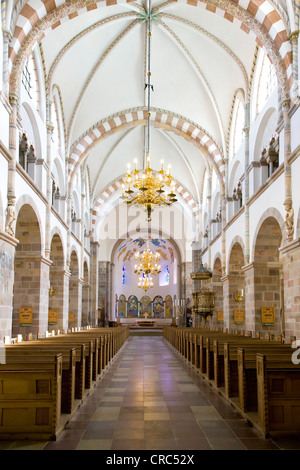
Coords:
pixel 150 399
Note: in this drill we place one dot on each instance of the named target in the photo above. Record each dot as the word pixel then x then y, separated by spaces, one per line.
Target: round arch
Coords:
pixel 159 118
pixel 269 213
pixel 25 199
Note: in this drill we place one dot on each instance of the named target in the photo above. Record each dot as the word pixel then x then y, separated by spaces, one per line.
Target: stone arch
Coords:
pixel 116 186
pixel 25 199
pixel 85 319
pixel 264 134
pixel 236 240
pixel 75 292
pixel 138 117
pixel 28 289
pixel 268 275
pixel 269 213
pixel 235 284
pixel 57 278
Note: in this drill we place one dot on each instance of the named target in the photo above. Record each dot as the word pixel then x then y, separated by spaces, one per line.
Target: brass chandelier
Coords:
pixel 147 189
pixel 146 268
pixel 146 260
pixel 145 282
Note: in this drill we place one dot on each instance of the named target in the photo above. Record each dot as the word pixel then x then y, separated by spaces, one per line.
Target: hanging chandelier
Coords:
pixel 147 189
pixel 145 282
pixel 146 260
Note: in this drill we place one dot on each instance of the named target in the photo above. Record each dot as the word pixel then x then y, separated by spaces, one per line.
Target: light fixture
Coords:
pixel 147 189
pixel 146 260
pixel 145 282
pixel 239 295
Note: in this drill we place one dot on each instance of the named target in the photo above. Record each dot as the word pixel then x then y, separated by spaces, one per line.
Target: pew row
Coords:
pixel 28 380
pixel 232 363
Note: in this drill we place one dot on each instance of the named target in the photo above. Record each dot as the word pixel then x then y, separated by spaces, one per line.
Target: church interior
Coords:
pixel 149 225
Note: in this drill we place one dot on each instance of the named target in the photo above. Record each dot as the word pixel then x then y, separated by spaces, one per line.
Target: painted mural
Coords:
pixel 122 306
pixel 158 307
pixel 128 249
pixel 168 307
pixel 132 307
pixel 145 307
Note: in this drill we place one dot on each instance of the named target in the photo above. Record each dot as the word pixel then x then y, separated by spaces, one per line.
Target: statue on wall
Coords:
pixel 289 220
pixel 10 219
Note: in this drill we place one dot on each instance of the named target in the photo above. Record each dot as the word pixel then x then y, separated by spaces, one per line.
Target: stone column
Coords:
pixel 295 88
pixel 44 295
pixel 291 281
pixel 288 202
pixel 64 318
pixel 49 126
pixel 104 285
pixel 250 296
pixel 10 224
pixel 226 306
pixel 246 182
pixel 94 282
pixel 7 254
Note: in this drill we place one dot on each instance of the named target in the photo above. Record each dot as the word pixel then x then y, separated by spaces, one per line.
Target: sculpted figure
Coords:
pixel 10 220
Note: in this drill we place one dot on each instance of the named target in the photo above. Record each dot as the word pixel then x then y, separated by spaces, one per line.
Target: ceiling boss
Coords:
pixel 145 188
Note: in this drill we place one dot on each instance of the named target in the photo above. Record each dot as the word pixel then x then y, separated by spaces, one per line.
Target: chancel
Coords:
pixel 149 225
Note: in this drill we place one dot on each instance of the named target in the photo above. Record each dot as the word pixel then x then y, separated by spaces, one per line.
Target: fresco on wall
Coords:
pixel 132 307
pixel 145 306
pixel 128 249
pixel 168 306
pixel 158 307
pixel 122 306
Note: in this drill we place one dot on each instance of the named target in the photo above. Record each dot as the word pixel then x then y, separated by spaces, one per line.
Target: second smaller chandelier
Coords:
pixel 148 262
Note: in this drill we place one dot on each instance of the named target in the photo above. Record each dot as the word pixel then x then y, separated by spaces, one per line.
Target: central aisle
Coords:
pixel 150 399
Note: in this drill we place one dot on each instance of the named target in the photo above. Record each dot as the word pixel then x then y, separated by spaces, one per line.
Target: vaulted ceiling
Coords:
pixel 99 62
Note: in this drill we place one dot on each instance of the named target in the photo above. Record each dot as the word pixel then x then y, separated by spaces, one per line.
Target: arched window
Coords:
pixel 267 82
pixel 239 122
pixel 31 82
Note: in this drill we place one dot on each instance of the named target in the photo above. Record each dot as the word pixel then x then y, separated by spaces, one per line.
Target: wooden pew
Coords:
pixel 30 399
pixel 278 390
pixel 247 373
pixel 231 379
pixel 16 359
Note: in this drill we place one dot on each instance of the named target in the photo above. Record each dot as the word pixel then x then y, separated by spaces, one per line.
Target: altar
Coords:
pixel 144 322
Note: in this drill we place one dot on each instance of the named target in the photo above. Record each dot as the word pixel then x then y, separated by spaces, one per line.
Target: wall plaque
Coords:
pixel 220 316
pixel 25 316
pixel 52 316
pixel 71 317
pixel 268 315
pixel 239 316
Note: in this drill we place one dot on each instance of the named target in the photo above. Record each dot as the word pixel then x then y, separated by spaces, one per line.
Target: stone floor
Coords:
pixel 149 399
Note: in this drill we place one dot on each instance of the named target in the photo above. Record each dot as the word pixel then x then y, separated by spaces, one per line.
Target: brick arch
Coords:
pixel 115 186
pixel 269 213
pixel 159 118
pixel 259 18
pixel 27 200
pixel 236 240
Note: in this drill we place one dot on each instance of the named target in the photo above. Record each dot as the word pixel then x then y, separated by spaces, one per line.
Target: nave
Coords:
pixel 150 399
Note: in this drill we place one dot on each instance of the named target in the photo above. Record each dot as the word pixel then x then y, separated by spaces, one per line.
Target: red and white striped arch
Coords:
pixel 162 119
pixel 37 17
pixel 116 186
